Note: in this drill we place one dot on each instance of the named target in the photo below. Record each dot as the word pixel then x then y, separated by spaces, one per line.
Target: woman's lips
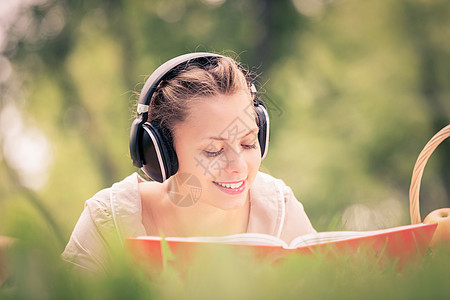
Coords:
pixel 232 188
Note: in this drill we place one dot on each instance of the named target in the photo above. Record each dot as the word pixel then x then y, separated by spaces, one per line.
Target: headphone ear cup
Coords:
pixel 135 141
pixel 264 127
pixel 159 160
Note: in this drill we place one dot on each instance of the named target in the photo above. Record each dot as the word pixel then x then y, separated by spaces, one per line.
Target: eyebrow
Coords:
pixel 218 138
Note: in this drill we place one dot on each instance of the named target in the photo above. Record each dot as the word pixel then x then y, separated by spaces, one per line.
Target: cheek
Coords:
pixel 254 161
pixel 192 162
pixel 186 154
pixel 186 161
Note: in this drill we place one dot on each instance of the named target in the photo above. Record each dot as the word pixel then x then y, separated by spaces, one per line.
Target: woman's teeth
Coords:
pixel 230 185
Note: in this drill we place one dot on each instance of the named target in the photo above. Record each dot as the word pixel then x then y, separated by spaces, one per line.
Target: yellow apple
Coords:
pixel 442 233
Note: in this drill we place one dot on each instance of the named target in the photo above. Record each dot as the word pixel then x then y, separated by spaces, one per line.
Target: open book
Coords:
pixel 402 243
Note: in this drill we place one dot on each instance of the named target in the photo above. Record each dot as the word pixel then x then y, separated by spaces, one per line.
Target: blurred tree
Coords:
pixel 355 88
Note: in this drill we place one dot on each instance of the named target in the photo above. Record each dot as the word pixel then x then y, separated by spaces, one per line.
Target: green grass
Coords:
pixel 38 273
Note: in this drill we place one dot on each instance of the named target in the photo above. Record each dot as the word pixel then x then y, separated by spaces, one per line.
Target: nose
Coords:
pixel 235 162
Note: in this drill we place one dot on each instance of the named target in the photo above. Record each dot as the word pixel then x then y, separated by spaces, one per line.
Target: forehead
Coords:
pixel 220 116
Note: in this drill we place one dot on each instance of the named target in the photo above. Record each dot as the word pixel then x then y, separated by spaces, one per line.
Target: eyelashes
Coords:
pixel 253 146
pixel 213 154
pixel 217 153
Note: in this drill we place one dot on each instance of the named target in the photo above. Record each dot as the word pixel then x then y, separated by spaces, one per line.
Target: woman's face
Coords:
pixel 218 145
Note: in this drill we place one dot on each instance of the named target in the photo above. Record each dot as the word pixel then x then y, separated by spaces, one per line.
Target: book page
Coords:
pixel 242 239
pixel 249 239
pixel 333 236
pixel 323 237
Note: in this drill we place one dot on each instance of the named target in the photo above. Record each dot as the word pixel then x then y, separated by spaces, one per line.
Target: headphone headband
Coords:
pixel 164 70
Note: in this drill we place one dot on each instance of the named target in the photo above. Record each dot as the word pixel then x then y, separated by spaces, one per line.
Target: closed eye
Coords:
pixel 253 146
pixel 213 154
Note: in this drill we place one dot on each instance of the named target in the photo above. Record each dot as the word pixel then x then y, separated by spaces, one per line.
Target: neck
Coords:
pixel 207 220
pixel 202 219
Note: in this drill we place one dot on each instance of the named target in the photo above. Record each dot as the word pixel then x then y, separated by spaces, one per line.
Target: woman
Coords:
pixel 201 134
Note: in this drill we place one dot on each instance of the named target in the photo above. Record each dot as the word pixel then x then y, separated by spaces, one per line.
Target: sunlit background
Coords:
pixel 355 90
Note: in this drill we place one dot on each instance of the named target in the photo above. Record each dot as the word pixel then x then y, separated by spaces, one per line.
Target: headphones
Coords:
pixel 151 145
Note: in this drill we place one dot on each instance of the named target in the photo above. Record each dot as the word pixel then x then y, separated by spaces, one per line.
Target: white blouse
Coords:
pixel 115 213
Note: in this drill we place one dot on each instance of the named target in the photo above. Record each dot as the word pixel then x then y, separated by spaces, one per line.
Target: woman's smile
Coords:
pixel 231 188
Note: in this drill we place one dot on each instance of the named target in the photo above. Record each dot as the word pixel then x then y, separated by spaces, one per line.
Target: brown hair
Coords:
pixel 196 79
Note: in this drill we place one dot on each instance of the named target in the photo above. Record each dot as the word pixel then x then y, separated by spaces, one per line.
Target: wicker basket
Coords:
pixel 414 189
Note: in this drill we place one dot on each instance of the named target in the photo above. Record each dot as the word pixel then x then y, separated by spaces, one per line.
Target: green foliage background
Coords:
pixel 355 90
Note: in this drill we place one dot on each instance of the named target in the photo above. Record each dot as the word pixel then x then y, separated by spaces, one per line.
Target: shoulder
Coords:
pixel 266 184
pixel 118 206
pixel 108 217
pixel 279 211
pixel 102 200
pixel 265 178
pixel 267 205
